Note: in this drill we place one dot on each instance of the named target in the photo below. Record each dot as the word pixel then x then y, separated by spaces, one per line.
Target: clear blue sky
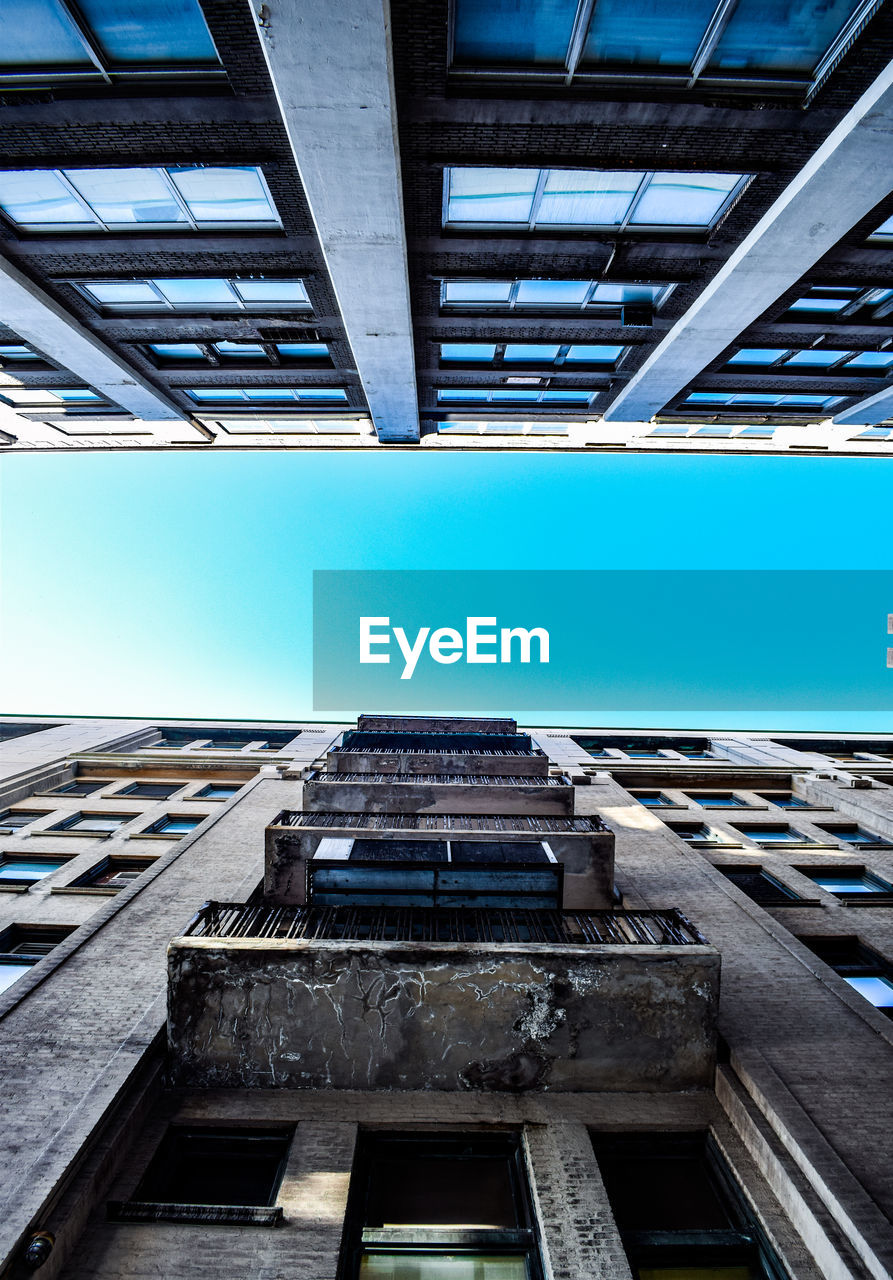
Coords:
pixel 164 584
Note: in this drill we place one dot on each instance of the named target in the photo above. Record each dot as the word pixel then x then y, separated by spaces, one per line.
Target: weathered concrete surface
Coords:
pixel 441 1016
pixel 526 766
pixel 587 858
pixel 404 795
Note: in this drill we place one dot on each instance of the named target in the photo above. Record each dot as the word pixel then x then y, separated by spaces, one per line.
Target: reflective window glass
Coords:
pixel 491 195
pixel 813 303
pixel 529 31
pixel 552 292
pixel 593 354
pixel 648 33
pixel 271 291
pixel 587 197
pixel 125 197
pixel 303 350
pixel 567 396
pixel 467 350
pixel 620 293
pixel 885 229
pixel 17 351
pixel 871 360
pixel 243 350
pixel 684 199
pixel 773 35
pixel 477 290
pixel 132 32
pixel 757 355
pixel 189 291
pixel 234 193
pixel 817 357
pixel 879 991
pixel 528 351
pixel 30 869
pixel 177 350
pixel 121 292
pixel 844 882
pixel 43 36
pixel 39 198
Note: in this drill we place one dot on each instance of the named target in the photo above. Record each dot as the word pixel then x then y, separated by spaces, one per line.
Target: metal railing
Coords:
pixel 503 822
pixel 450 924
pixel 444 750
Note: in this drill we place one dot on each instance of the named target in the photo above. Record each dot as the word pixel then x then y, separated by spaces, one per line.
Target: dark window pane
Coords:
pixel 772 35
pixel 461 1191
pixel 648 33
pixel 661 1186
pixel 514 31
pixel 194 1166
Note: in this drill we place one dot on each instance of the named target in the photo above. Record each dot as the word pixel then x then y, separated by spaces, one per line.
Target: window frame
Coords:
pixel 93 223
pixel 103 69
pixel 590 302
pixel 696 77
pixel 164 306
pixel 360 1239
pixel 623 227
pixel 559 362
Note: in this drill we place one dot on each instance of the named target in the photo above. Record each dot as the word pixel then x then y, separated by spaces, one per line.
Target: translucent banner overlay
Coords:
pixel 584 640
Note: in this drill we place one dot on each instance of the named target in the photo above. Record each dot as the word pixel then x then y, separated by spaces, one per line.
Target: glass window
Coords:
pixel 699 832
pixel 303 350
pixel 499 396
pixel 770 399
pixel 884 231
pixel 785 799
pixel 174 825
pixel 871 360
pixel 28 870
pixel 410 1196
pixel 185 292
pixel 93 823
pixel 531 351
pixel 272 291
pixel 845 882
pixel 130 198
pixel 716 799
pixel 13 819
pixel 853 834
pixel 591 354
pixel 757 355
pixel 11 971
pixel 80 787
pixel 151 790
pixel 16 352
pixel 817 357
pixel 218 791
pixel 653 799
pixel 813 303
pixel 759 886
pixel 536 32
pixel 240 350
pixel 773 835
pixel 777 37
pixel 585 198
pixel 216 1167
pixel 477 290
pixel 178 350
pixel 118 293
pixel 867 972
pixel 680 1214
pixel 113 873
pixel 127 34
pixel 467 350
pixel 195 294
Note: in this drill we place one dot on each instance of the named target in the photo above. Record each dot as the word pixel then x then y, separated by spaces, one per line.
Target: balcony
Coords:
pixel 415 752
pixel 441 859
pixel 403 998
pixel 453 793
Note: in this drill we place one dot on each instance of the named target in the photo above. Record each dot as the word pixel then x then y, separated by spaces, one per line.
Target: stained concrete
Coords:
pixel 389 1015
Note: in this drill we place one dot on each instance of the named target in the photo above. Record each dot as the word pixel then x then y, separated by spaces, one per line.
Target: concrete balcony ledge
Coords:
pixel 437 793
pixel 324 1012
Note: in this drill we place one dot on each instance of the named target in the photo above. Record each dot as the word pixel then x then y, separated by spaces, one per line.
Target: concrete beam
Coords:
pixel 842 182
pixel 876 408
pixel 332 73
pixel 41 322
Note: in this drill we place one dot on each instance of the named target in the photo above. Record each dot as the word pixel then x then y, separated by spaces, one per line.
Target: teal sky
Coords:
pixel 179 585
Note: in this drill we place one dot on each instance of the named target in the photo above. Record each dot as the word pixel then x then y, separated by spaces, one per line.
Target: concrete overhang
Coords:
pixel 332 75
pixel 437 793
pixel 848 175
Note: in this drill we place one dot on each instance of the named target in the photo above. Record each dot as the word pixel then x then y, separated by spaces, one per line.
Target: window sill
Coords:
pixel 868 900
pixel 153 1211
pixel 10 886
pixel 48 834
pixel 159 835
pixel 84 888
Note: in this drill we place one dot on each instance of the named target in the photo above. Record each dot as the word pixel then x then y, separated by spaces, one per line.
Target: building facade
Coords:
pixel 228 225
pixel 444 997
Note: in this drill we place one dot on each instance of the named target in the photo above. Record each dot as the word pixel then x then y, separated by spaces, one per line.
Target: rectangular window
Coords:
pixel 852 833
pixel 534 354
pixel 55 41
pixel 17 353
pixel 446 395
pixel 14 819
pixel 699 833
pixel 151 790
pixel 765 834
pixel 440 1208
pixel 200 197
pixel 717 799
pixel 21 946
pixel 549 295
pixel 112 873
pixel 703 43
pixel 867 972
pixel 218 791
pixel 848 882
pixel 680 1214
pixel 844 301
pixel 760 399
pixel 760 886
pixel 241 1168
pixel 25 871
pixel 654 799
pixel 92 824
pixel 252 395
pixel 194 294
pixel 174 825
pixel 538 199
pixel 80 787
pixel 785 799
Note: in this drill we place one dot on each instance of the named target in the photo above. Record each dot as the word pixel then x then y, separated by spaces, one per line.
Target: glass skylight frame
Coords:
pixel 697 75
pixel 163 305
pixel 786 362
pixel 286 397
pixel 590 300
pixel 625 224
pixel 207 355
pixel 851 299
pixel 496 427
pixel 93 222
pixel 561 360
pixel 99 67
pixel 510 396
pixel 794 401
